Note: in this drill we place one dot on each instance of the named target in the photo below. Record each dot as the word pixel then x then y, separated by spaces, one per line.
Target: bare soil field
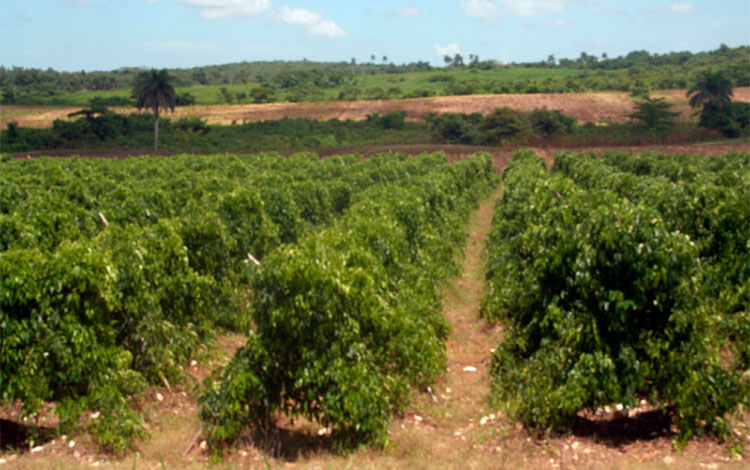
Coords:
pixel 596 107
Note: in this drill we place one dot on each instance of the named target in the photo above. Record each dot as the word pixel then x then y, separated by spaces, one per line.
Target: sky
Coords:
pixel 70 35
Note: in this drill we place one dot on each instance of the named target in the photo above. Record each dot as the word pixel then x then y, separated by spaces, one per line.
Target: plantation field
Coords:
pixel 380 336
pixel 599 107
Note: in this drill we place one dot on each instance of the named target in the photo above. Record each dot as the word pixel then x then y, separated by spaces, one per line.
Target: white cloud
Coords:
pixel 220 9
pixel 405 12
pixel 310 20
pixel 680 7
pixel 560 23
pixel 409 12
pixel 327 29
pixel 450 50
pixel 479 8
pixel 531 8
pixel 299 16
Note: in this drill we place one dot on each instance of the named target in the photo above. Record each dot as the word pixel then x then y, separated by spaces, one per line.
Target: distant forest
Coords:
pixel 637 72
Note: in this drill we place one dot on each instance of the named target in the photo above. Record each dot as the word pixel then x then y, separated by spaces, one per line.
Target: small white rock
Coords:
pixel 3 461
pixel 470 369
pixel 669 460
pixel 159 397
pixel 243 453
pixel 37 449
pixel 710 466
pixel 457 433
pixel 193 363
pixel 607 409
pixel 72 444
pixel 204 445
pixel 575 445
pixel 95 464
pixel 483 421
pixel 324 431
pixel 448 390
pixel 619 407
pixel 95 415
pixel 492 416
pixel 644 402
pixel 418 418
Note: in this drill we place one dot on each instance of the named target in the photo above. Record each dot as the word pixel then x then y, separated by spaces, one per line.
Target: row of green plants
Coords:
pixel 707 199
pixel 113 274
pixel 348 320
pixel 622 278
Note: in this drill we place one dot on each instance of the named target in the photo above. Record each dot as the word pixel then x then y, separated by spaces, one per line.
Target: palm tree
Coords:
pixel 712 91
pixel 153 90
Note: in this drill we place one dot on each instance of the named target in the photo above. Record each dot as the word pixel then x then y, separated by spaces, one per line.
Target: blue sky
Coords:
pixel 107 34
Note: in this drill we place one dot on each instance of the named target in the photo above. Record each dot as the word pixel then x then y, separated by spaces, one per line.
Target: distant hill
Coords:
pixel 244 82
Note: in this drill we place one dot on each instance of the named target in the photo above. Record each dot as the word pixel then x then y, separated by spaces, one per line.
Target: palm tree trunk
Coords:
pixel 156 128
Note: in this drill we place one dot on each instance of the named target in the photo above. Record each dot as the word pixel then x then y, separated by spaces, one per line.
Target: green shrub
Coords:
pixel 601 298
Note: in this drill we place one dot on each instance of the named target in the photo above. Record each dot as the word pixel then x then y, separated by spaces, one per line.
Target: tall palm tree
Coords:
pixel 712 91
pixel 153 90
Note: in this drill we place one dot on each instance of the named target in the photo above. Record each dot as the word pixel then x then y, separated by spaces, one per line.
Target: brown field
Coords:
pixel 596 107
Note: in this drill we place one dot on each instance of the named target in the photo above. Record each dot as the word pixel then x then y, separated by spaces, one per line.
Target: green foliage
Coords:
pixel 609 296
pixel 499 126
pixel 103 102
pixel 392 120
pixel 154 90
pixel 551 122
pixel 185 99
pixel 262 94
pixel 654 114
pixel 92 311
pixel 348 319
pixel 225 95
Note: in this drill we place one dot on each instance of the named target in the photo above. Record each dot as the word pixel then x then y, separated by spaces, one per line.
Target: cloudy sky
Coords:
pixel 107 34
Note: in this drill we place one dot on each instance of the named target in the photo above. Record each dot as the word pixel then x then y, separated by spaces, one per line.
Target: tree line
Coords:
pixel 638 71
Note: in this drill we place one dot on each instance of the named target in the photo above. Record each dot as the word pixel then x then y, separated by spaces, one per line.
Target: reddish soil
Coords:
pixel 597 107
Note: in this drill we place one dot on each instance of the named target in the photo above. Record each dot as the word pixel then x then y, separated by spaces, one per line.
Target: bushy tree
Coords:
pixel 654 114
pixel 712 96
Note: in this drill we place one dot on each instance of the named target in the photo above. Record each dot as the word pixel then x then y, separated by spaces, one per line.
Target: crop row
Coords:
pixel 348 320
pixel 114 273
pixel 620 285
